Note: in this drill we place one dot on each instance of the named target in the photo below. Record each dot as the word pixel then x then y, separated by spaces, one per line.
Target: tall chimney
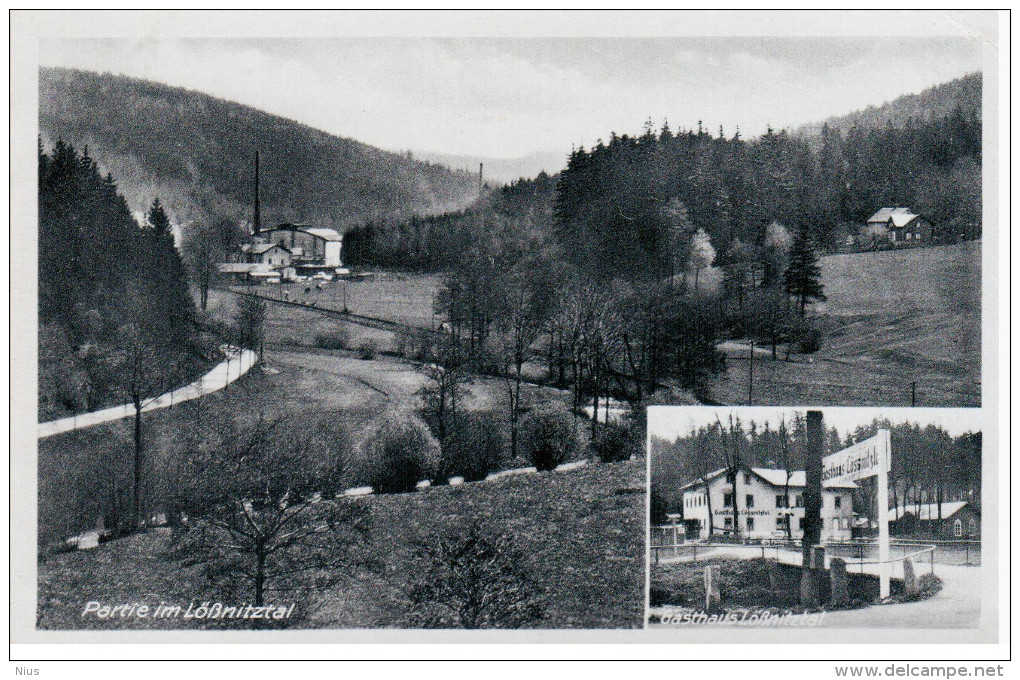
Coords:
pixel 257 223
pixel 480 184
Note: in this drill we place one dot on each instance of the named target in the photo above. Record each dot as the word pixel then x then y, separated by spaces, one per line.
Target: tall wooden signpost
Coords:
pixel 869 458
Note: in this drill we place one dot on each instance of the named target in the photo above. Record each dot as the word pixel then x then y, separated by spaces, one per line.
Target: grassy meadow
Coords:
pixel 891 318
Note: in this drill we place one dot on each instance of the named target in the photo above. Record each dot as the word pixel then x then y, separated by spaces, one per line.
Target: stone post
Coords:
pixel 840 591
pixel 910 587
pixel 712 594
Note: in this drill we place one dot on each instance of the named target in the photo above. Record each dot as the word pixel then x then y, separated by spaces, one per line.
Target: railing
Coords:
pixel 859 555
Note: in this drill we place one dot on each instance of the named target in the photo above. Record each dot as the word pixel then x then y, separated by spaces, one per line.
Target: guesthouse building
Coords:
pixel 768 504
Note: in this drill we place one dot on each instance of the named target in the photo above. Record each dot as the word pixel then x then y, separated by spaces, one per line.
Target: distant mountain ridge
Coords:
pixel 937 101
pixel 501 170
pixel 196 153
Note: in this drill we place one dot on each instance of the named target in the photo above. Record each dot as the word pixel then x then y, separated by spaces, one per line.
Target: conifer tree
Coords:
pixel 803 275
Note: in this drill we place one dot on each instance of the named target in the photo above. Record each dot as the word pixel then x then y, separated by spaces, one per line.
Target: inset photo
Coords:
pixel 799 517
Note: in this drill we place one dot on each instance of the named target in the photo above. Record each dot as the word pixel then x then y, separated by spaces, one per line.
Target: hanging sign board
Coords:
pixel 869 458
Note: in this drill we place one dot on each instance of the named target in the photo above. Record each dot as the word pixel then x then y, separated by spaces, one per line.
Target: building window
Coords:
pixel 750 523
pixel 727 500
pixel 727 522
pixel 800 501
pixel 958 528
pixel 835 523
pixel 781 522
pixel 838 500
pixel 972 529
pixel 747 478
pixel 749 500
pixel 780 500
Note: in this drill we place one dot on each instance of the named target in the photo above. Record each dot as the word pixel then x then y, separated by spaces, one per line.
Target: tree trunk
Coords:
pixel 137 489
pixel 260 574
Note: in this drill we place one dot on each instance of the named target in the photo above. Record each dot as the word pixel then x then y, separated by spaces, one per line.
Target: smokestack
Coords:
pixel 480 184
pixel 257 222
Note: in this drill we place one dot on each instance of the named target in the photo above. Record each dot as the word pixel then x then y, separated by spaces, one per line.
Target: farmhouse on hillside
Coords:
pixel 958 519
pixel 899 226
pixel 764 508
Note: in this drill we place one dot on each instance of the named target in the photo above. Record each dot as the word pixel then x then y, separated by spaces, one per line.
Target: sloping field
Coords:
pixel 80 471
pixel 892 318
pixel 581 530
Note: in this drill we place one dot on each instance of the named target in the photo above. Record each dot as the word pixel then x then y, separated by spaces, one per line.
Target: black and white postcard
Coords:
pixel 362 327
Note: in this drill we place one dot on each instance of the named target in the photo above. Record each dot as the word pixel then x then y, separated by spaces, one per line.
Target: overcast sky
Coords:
pixel 672 422
pixel 507 97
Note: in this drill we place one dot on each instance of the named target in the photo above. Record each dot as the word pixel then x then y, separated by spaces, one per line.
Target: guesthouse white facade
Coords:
pixel 763 505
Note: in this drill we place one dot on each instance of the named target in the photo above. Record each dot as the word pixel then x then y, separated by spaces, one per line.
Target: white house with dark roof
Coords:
pixel 272 254
pixel 899 226
pixel 766 504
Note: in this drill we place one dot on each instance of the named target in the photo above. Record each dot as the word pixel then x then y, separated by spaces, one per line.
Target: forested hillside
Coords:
pixel 637 201
pixel 115 315
pixel 517 215
pixel 635 204
pixel 935 102
pixel 197 152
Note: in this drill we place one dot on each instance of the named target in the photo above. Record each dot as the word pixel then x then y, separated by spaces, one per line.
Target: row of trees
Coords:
pixel 928 464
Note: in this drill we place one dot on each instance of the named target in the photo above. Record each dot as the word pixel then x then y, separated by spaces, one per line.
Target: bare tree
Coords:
pixel 445 367
pixel 261 507
pixel 147 370
pixel 519 321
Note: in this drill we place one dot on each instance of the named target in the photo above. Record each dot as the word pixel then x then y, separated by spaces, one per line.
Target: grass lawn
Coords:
pixel 891 318
pixel 581 530
pixel 403 298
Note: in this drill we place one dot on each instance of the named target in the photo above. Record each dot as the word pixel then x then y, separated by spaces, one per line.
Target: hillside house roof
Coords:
pixel 930 511
pixel 774 477
pixel 900 217
pixel 259 248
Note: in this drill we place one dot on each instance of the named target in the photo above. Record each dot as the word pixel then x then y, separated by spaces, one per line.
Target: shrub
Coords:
pixel 929 585
pixel 337 339
pixel 809 338
pixel 397 453
pixel 473 579
pixel 615 442
pixel 548 436
pixel 474 446
pixel 368 349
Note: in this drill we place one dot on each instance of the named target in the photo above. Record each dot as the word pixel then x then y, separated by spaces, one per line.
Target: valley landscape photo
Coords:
pixel 363 331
